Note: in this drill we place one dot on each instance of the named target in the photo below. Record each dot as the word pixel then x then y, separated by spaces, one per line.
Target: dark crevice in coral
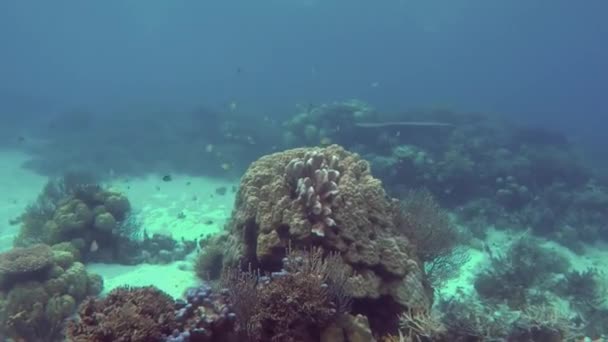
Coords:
pixel 250 234
pixel 383 314
pixel 283 231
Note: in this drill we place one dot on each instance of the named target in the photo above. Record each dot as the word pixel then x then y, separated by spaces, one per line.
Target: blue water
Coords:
pixel 543 61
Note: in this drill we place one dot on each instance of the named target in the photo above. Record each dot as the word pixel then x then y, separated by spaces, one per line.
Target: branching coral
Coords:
pixel 511 277
pixel 315 181
pixel 421 326
pixel 585 288
pixel 436 238
pixel 126 314
pixel 291 305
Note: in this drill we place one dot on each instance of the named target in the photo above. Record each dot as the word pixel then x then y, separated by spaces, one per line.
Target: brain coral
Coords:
pixel 327 197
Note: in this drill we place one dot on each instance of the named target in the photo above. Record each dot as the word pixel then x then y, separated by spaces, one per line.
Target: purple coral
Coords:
pixel 315 179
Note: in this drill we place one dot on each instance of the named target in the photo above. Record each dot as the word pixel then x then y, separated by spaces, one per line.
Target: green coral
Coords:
pixel 34 308
pixel 23 263
pixel 73 215
pixel 105 222
pixel 117 204
pixel 60 307
pixel 87 214
pixel 64 259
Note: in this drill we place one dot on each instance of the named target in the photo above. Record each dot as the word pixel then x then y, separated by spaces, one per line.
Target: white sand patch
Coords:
pixel 186 207
pixel 170 278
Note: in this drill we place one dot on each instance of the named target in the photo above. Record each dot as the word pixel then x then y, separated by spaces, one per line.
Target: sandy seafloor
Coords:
pixel 158 204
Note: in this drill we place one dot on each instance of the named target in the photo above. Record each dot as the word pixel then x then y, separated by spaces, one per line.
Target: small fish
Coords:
pixel 232 106
pixel 94 247
pixel 167 178
pixel 21 138
pixel 209 148
pixel 226 166
pixel 375 84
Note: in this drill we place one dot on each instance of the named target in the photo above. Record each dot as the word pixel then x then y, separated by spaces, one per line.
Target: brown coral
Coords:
pixel 293 305
pixel 273 209
pixel 36 304
pixel 24 263
pixel 126 314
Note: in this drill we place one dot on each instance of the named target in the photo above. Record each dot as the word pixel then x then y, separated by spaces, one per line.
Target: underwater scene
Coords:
pixel 303 171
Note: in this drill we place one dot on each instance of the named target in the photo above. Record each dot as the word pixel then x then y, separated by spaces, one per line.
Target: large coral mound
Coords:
pixel 126 314
pixel 327 197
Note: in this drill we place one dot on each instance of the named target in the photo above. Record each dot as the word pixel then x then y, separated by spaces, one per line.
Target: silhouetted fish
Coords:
pixel 167 178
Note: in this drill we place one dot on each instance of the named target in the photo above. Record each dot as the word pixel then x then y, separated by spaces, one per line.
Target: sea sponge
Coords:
pixel 20 264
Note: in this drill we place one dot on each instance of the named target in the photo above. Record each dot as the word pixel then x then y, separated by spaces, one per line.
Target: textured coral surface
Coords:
pixel 284 197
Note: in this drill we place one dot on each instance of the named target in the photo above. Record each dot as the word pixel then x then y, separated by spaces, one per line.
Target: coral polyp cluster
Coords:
pixel 315 179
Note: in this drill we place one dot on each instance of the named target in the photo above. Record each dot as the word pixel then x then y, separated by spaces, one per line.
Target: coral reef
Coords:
pixel 82 213
pixel 436 238
pixel 272 210
pixel 327 123
pixel 316 182
pixel 19 264
pixel 513 278
pixel 155 249
pixel 298 303
pixel 471 321
pixel 97 222
pixel 209 262
pixel 41 287
pixel 126 314
pixel 205 315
